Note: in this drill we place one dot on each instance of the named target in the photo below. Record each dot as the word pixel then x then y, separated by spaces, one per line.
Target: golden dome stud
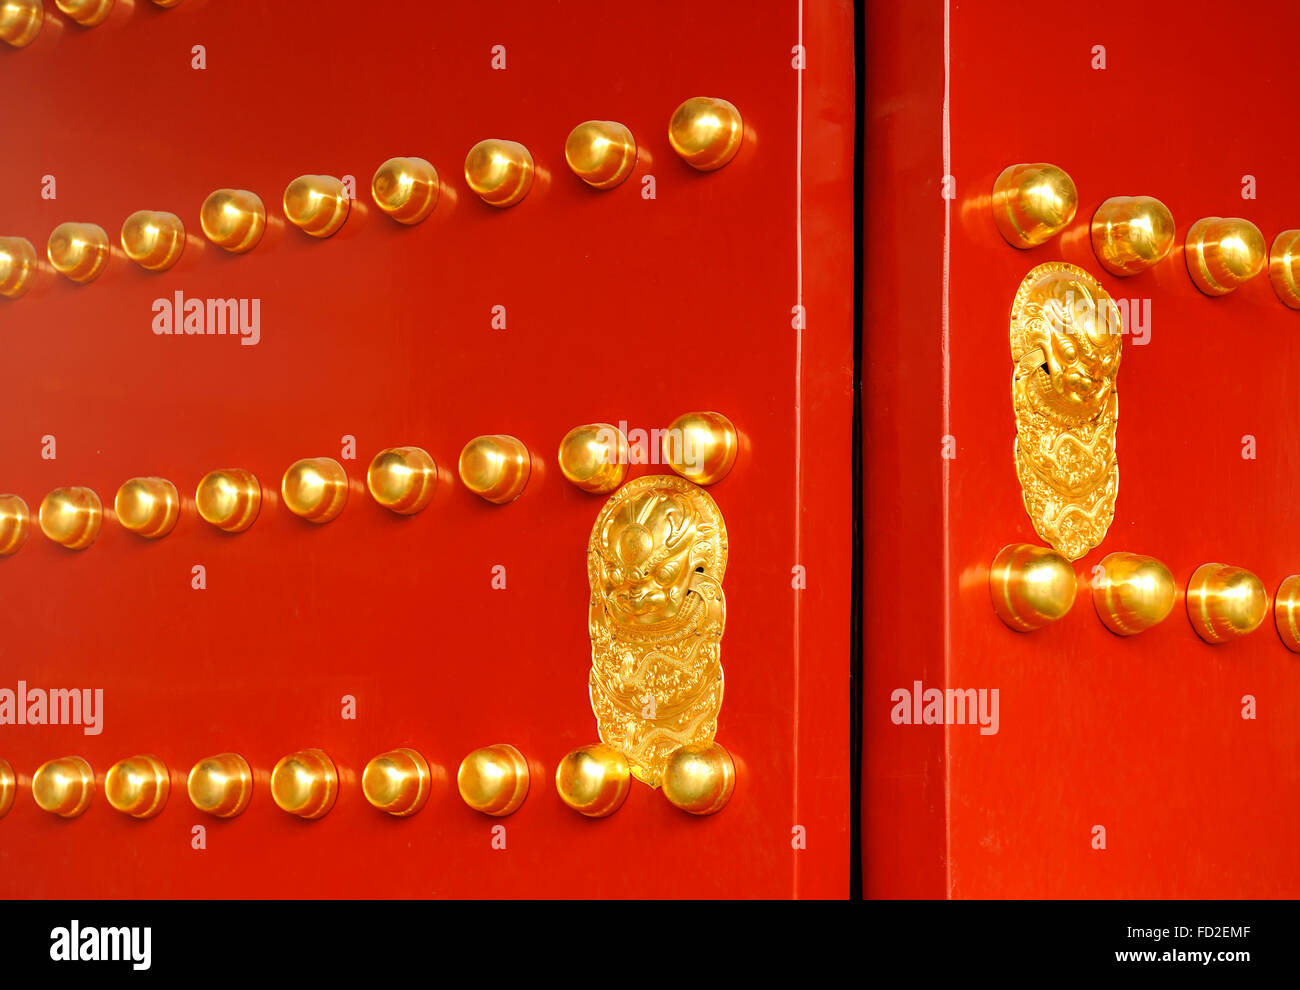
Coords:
pixel 316 204
pixel 1134 593
pixel 305 784
pixel 71 517
pixel 602 153
pixel 701 446
pixel 1223 252
pixel 493 780
pixel 15 522
pixel 699 779
pixel 1030 586
pixel 87 13
pixel 233 219
pixel 405 188
pixel 594 457
pixel 1286 612
pixel 315 489
pixel 8 787
pixel 402 479
pixel 495 467
pixel 1225 602
pixel 221 785
pixel 153 239
pixel 148 507
pixel 20 21
pixel 706 132
pixel 1283 267
pixel 1131 233
pixel 1032 203
pixel 64 787
pixel 138 786
pixel 397 782
pixel 500 172
pixel 78 251
pixel 229 499
pixel 17 265
pixel 594 780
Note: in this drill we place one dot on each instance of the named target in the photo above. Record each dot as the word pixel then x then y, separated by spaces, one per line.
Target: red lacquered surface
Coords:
pixel 1143 736
pixel 618 308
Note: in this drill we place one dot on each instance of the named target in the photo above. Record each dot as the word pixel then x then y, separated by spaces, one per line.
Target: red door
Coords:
pixel 1154 765
pixel 466 624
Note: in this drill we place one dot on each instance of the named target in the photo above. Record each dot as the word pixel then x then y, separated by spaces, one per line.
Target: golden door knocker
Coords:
pixel 655 562
pixel 1065 344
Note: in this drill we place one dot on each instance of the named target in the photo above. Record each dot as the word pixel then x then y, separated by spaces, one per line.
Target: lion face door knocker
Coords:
pixel 655 562
pixel 1065 344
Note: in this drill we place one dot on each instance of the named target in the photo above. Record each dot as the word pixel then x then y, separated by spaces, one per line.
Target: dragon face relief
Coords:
pixel 650 553
pixel 1066 336
pixel 1079 331
pixel 655 561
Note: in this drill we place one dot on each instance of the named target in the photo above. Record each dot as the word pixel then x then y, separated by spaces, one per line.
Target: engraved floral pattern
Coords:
pixel 1066 339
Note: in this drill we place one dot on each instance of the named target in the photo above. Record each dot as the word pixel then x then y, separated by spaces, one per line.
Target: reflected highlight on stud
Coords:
pixel 316 204
pixel 138 786
pixel 64 787
pixel 1283 267
pixel 1286 612
pixel 493 780
pixel 706 132
pixel 594 457
pixel 15 522
pixel 153 240
pixel 233 219
pixel 305 784
pixel 397 782
pixel 602 153
pixel 1033 203
pixel 500 172
pixel 78 251
pixel 1030 586
pixel 1223 252
pixel 1131 233
pixel 1134 593
pixel 229 499
pixel 315 489
pixel 87 13
pixel 594 780
pixel 17 266
pixel 20 21
pixel 71 517
pixel 1225 602
pixel 495 467
pixel 148 507
pixel 8 787
pixel 405 188
pixel 221 785
pixel 699 779
pixel 701 446
pixel 402 479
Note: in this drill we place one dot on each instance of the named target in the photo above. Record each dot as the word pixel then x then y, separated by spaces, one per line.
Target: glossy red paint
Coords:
pixel 1144 736
pixel 618 308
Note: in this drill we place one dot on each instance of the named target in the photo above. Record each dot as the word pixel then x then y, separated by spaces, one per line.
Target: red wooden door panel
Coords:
pixel 1144 736
pixel 618 308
